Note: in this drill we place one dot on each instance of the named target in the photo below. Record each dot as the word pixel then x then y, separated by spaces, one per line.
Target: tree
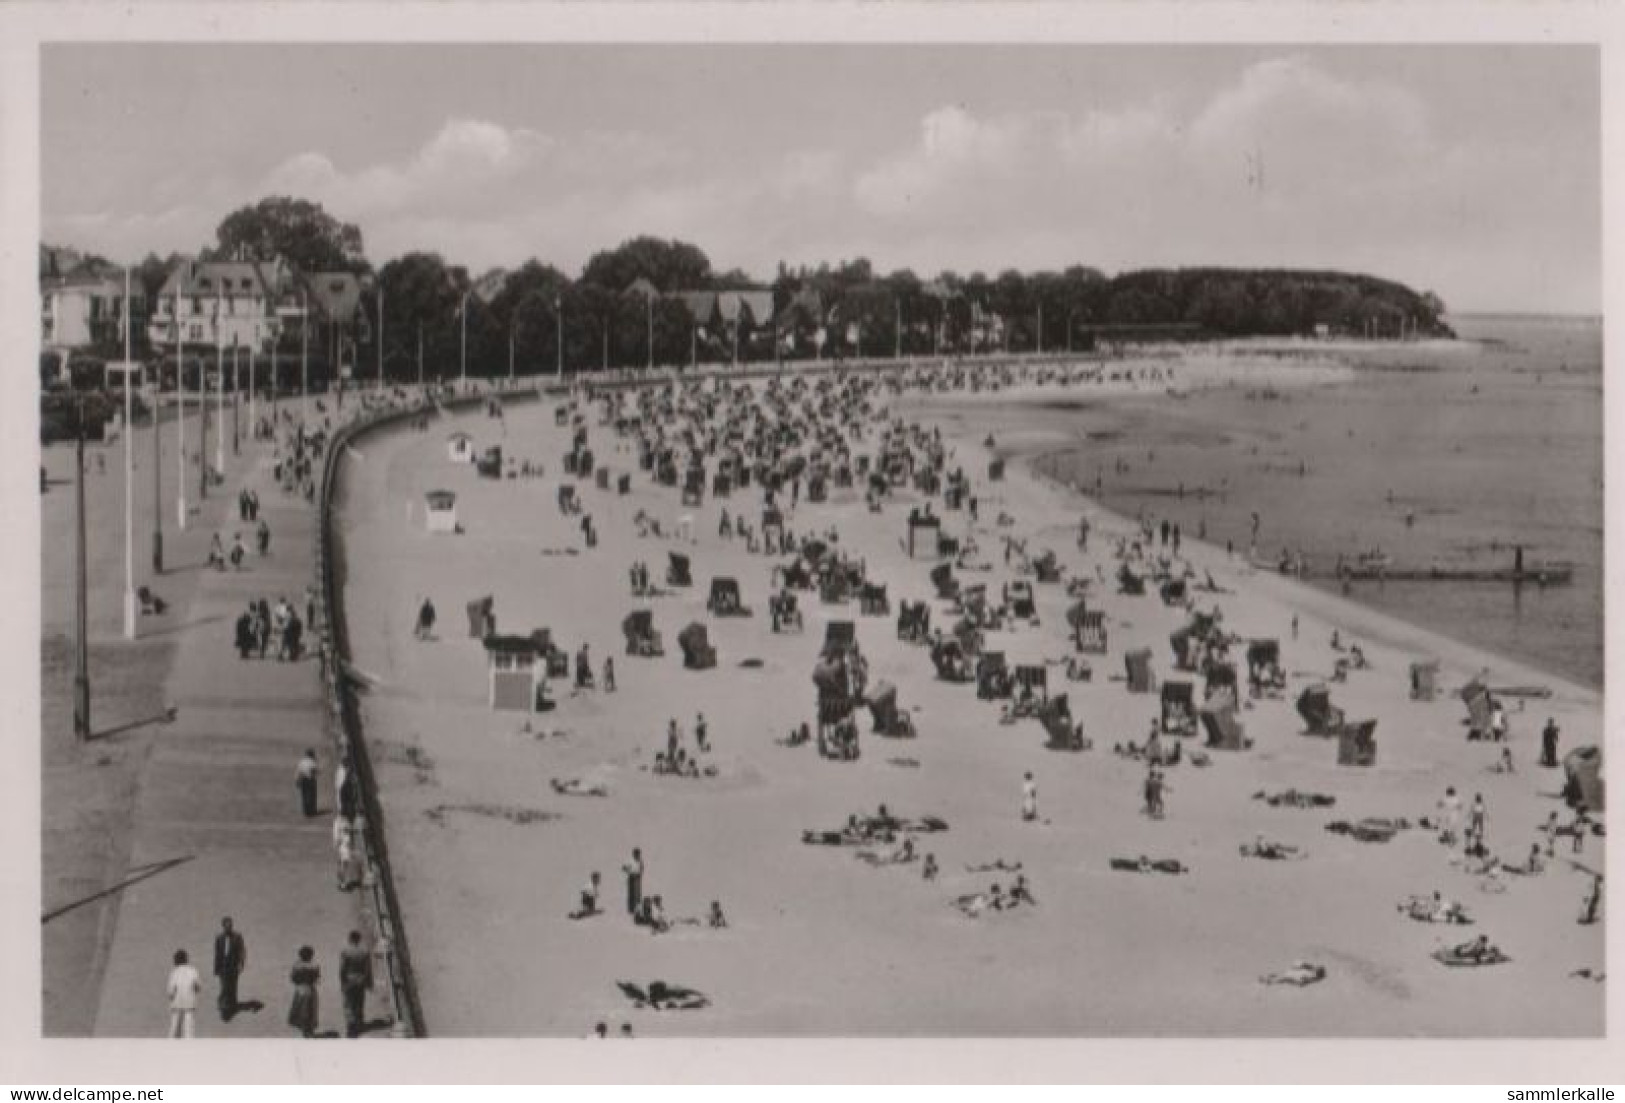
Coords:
pixel 669 265
pixel 420 289
pixel 295 229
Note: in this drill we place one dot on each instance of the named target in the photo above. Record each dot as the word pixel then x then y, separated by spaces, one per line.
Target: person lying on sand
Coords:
pixel 1271 851
pixel 1530 866
pixel 998 865
pixel 1478 951
pixel 898 856
pixel 661 996
pixel 1435 909
pixel 1299 975
pixel 1372 829
pixel 1293 798
pixel 1142 864
pixel 575 787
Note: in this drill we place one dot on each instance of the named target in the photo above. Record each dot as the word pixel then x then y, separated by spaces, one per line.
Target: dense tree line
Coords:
pixel 609 318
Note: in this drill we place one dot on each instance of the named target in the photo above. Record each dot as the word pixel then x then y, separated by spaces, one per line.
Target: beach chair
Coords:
pixel 623 484
pixel 677 572
pixel 788 614
pixel 1476 696
pixel 840 636
pixel 1265 678
pixel 942 577
pixel 949 659
pixel 489 465
pixel 947 546
pixel 694 488
pixel 1061 734
pixel 1320 716
pixel 1424 681
pixel 1047 568
pixel 995 471
pixel 1178 708
pixel 888 718
pixel 725 600
pixel 913 621
pixel 1583 782
pixel 992 676
pixel 1174 592
pixel 1224 731
pixel 698 654
pixel 1138 665
pixel 1128 582
pixel 832 588
pixel 602 478
pixel 1032 688
pixel 1357 744
pixel 1183 643
pixel 567 499
pixel 1219 678
pixel 642 638
pixel 873 602
pixel 1089 632
pixel 1018 598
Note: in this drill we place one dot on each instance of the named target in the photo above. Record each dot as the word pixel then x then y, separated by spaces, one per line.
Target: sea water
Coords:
pixel 1448 455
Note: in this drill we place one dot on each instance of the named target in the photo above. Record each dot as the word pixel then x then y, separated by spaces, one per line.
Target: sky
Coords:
pixel 1471 171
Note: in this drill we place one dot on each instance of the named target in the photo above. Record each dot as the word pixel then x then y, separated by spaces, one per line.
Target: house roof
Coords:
pixel 701 304
pixel 642 288
pixel 755 306
pixel 336 295
pixel 206 279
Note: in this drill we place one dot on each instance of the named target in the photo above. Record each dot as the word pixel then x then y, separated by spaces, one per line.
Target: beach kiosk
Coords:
pixel 440 511
pixel 460 448
pixel 515 671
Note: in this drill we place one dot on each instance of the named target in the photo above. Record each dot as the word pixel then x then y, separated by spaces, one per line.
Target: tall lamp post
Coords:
pixel 463 310
pixel 129 477
pixel 157 469
pixel 380 334
pixel 304 356
pixel 180 411
pixel 81 650
pixel 558 309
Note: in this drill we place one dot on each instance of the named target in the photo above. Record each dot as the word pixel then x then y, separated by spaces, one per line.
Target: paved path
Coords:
pixel 216 797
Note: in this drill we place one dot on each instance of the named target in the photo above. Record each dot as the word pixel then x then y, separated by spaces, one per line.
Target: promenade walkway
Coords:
pixel 216 822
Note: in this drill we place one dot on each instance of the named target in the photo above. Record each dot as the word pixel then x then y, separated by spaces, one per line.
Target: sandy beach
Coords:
pixel 489 858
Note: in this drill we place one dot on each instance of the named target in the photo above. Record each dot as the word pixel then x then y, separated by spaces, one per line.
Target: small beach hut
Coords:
pixel 440 511
pixel 923 529
pixel 460 447
pixel 1138 668
pixel 514 671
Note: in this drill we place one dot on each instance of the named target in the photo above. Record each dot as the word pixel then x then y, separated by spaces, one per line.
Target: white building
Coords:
pixel 87 308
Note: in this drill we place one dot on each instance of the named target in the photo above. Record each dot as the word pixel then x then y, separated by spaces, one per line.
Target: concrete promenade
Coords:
pixel 215 822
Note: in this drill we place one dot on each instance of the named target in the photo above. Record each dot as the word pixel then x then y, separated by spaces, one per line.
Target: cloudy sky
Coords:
pixel 1471 171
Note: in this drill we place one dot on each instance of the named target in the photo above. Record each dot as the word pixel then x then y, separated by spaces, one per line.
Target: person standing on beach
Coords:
pixel 1449 817
pixel 184 985
pixel 1029 798
pixel 355 978
pixel 303 1011
pixel 230 957
pixel 634 881
pixel 700 733
pixel 1548 744
pixel 1475 825
pixel 304 780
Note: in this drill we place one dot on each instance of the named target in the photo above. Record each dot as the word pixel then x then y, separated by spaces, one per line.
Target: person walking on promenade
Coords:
pixel 425 628
pixel 237 551
pixel 262 538
pixel 355 978
pixel 304 1012
pixel 184 986
pixel 1029 798
pixel 634 881
pixel 609 674
pixel 230 957
pixel 305 781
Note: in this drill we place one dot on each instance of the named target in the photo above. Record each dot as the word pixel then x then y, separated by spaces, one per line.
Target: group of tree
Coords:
pixel 624 308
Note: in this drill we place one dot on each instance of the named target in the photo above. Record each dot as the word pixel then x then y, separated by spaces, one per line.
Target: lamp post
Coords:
pixel 510 353
pixel 463 310
pixel 380 334
pixel 304 355
pixel 649 308
pixel 129 477
pixel 236 409
pixel 558 309
pixel 420 358
pixel 898 353
pixel 220 402
pixel 180 411
pixel 1040 329
pixel 157 471
pixel 81 650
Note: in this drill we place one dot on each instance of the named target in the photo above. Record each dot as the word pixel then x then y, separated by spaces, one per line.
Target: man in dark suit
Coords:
pixel 230 956
pixel 355 977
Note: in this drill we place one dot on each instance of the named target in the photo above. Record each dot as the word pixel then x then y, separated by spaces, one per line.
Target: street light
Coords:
pixel 463 310
pixel 304 355
pixel 558 309
pixel 129 477
pixel 180 409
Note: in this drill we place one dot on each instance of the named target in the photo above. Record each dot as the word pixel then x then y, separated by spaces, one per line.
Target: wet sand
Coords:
pixel 489 859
